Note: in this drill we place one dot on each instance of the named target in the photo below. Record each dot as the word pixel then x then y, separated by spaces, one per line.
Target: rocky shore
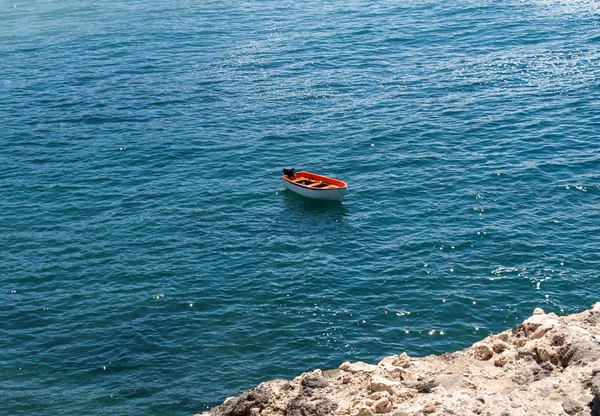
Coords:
pixel 548 365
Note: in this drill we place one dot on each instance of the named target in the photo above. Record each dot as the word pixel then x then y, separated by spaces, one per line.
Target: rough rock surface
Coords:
pixel 548 365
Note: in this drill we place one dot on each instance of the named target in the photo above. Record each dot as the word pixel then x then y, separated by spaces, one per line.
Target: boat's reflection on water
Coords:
pixel 300 208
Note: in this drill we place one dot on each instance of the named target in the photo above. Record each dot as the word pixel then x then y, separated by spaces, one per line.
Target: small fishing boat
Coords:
pixel 314 186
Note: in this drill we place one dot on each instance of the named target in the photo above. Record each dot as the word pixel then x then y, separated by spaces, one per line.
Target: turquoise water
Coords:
pixel 151 262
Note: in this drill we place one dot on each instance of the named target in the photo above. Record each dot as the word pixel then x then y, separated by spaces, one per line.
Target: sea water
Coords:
pixel 151 261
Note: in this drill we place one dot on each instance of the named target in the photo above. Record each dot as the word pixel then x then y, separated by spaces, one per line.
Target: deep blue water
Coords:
pixel 150 260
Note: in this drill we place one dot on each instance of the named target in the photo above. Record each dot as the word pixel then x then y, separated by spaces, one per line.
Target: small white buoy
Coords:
pixel 372 145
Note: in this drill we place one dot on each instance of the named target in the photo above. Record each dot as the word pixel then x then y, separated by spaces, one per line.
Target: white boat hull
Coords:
pixel 324 194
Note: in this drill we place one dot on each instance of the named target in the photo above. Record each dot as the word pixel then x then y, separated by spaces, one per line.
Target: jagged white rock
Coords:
pixel 358 367
pixel 548 365
pixel 383 384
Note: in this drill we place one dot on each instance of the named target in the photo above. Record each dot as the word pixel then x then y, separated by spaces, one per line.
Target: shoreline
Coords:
pixel 547 365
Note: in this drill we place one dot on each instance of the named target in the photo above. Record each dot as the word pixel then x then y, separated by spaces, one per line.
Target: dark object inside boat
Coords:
pixel 290 173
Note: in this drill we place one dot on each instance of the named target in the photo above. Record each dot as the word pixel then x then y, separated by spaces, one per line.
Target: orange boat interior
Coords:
pixel 312 181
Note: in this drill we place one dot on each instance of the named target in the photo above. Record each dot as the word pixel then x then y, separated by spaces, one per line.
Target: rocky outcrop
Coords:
pixel 548 365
